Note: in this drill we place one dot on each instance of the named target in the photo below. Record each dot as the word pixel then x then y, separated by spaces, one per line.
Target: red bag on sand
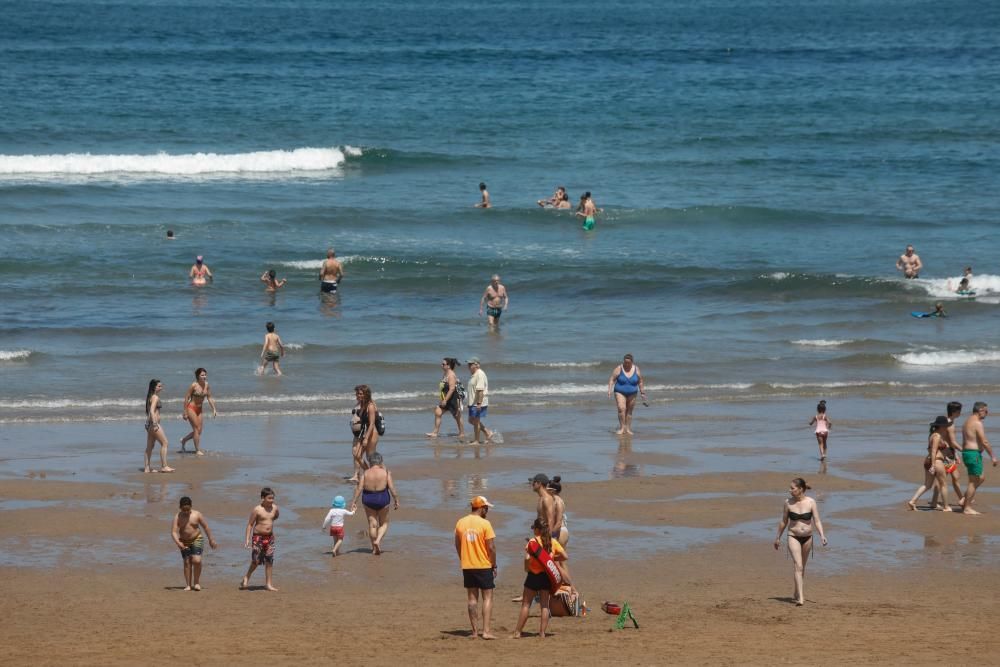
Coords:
pixel 539 553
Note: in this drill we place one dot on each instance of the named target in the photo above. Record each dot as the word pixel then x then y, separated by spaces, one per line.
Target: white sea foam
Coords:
pixel 294 346
pixel 778 275
pixel 184 164
pixel 317 264
pixel 821 342
pixel 566 364
pixel 944 288
pixel 948 358
pixel 14 355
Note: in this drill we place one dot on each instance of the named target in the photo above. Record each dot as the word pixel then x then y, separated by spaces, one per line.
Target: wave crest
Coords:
pixel 185 164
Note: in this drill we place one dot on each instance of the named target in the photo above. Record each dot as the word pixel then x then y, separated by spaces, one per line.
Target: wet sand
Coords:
pixel 689 548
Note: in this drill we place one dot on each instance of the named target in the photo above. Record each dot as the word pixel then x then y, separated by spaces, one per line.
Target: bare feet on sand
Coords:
pixel 269 587
pixel 431 435
pixel 187 588
pixel 912 505
pixel 243 584
pixel 488 635
pixel 166 469
pixel 969 510
pixel 196 587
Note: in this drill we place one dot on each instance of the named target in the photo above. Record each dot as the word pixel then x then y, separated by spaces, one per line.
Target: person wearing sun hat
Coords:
pixel 335 522
pixel 476 548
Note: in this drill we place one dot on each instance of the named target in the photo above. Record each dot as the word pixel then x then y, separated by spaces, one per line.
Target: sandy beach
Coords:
pixel 90 560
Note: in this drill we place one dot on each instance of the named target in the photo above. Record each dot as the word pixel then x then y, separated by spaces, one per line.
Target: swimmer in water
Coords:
pixel 909 263
pixel 272 282
pixel 485 201
pixel 200 274
pixel 331 273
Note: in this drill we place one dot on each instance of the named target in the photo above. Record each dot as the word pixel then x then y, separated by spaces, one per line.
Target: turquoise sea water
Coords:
pixel 761 166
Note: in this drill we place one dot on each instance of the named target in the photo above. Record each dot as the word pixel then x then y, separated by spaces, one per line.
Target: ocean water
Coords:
pixel 760 164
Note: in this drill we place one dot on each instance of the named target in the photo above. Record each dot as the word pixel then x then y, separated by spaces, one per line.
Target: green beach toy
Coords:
pixel 626 613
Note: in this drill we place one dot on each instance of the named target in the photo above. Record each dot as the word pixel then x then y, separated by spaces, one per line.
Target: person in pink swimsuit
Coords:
pixel 823 426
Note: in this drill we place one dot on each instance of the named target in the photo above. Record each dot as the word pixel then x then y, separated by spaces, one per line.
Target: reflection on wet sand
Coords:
pixel 622 467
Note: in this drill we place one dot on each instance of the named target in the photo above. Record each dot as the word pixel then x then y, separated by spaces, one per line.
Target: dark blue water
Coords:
pixel 761 166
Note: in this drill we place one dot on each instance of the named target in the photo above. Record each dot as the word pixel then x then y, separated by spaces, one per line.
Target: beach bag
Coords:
pixel 379 423
pixel 548 565
pixel 565 602
pixel 355 422
pixel 460 391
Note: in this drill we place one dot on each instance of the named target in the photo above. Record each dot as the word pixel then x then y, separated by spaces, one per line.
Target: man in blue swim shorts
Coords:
pixel 479 389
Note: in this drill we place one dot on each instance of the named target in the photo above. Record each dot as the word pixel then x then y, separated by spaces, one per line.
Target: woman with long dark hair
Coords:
pixel 194 400
pixel 154 430
pixel 449 398
pixel 366 437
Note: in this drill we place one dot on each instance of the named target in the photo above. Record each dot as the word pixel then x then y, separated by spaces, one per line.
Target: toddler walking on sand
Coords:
pixel 186 531
pixel 823 427
pixel 335 522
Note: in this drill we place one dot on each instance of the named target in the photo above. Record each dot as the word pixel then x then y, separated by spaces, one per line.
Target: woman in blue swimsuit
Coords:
pixel 376 491
pixel 626 383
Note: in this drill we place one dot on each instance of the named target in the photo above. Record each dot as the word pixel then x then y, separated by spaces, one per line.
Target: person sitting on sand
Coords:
pixel 272 351
pixel 376 491
pixel 934 465
pixel 186 531
pixel 334 521
pixel 260 538
pixel 800 513
pixel 270 279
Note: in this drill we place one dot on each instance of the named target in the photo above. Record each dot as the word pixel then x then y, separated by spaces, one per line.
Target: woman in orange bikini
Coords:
pixel 197 394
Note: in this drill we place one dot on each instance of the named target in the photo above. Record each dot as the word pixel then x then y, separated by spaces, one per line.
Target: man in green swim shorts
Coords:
pixel 973 442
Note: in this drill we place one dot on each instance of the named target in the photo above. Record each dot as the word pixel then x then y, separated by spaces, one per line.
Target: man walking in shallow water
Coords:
pixel 909 263
pixel 973 442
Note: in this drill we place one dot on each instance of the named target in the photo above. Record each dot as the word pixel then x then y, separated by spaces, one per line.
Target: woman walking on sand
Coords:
pixel 559 529
pixel 823 427
pixel 450 401
pixel 194 401
pixel 935 474
pixel 154 431
pixel 376 491
pixel 626 382
pixel 366 437
pixel 800 513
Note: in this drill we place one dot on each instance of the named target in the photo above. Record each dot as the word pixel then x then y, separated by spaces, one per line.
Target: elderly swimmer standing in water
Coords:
pixel 331 273
pixel 909 263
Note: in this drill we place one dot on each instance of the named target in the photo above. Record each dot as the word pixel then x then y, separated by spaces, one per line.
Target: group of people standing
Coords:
pixel 586 209
pixel 545 559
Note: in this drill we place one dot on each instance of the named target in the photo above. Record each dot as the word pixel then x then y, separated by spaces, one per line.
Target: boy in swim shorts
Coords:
pixel 260 538
pixel 186 532
pixel 272 351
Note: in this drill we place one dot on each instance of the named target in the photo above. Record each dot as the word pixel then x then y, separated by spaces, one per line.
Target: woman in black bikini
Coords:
pixel 376 491
pixel 799 513
pixel 154 431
